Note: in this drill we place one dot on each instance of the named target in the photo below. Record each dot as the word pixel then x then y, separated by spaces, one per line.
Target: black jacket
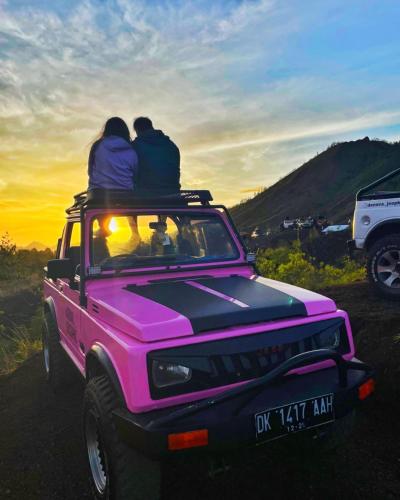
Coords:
pixel 159 162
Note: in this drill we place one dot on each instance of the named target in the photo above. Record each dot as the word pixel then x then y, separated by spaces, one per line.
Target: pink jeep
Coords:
pixel 184 348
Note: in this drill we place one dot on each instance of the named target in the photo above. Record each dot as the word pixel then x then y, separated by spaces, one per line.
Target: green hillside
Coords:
pixel 324 185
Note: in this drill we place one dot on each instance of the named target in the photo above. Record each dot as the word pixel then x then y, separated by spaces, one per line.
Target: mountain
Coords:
pixel 325 185
pixel 37 245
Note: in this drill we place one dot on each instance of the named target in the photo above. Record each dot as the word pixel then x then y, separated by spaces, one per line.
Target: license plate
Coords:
pixel 294 417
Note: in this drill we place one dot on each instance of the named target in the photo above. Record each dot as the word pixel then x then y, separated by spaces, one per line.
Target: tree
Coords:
pixel 8 251
pixel 7 246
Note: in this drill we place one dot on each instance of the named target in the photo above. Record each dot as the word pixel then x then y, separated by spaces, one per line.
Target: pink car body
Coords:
pixel 111 317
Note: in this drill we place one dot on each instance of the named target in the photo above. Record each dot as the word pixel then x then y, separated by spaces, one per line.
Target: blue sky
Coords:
pixel 249 90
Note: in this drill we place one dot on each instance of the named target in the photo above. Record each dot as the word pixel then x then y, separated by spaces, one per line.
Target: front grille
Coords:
pixel 234 360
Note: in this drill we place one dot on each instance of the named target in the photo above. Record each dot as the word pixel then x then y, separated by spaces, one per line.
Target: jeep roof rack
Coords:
pixel 103 198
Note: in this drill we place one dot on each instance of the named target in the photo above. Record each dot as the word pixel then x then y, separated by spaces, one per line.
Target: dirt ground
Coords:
pixel 42 455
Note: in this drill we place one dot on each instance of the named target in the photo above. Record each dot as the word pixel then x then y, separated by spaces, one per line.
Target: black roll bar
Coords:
pixel 390 175
pixel 82 267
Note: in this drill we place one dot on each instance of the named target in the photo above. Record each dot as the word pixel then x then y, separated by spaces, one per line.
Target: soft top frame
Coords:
pixel 361 195
pixel 103 198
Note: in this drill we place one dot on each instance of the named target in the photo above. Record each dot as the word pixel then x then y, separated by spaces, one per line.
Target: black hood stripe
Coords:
pixel 209 311
pixel 249 291
pixel 217 293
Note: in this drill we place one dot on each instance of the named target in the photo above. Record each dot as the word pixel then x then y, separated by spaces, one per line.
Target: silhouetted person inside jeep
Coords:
pixel 159 159
pixel 100 249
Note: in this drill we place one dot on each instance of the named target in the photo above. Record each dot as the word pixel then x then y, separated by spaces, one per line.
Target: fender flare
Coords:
pixel 380 225
pixel 51 308
pixel 99 354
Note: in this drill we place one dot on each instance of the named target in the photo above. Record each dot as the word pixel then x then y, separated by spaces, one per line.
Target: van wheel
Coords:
pixel 58 369
pixel 116 471
pixel 383 266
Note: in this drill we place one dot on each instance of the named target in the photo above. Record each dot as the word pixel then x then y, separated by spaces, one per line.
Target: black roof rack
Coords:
pixel 104 198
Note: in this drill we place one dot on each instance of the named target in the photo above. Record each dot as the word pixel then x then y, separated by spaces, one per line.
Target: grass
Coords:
pixel 20 293
pixel 292 265
pixel 19 343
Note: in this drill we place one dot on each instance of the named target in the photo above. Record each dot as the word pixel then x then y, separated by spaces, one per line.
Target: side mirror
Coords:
pixel 60 268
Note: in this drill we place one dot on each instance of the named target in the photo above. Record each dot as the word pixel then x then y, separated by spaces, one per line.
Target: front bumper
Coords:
pixel 230 417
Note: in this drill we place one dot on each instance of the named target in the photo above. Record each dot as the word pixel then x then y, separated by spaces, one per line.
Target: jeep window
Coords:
pixel 128 241
pixel 72 247
pixel 75 238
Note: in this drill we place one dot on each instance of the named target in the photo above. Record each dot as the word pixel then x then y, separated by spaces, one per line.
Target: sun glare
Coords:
pixel 113 226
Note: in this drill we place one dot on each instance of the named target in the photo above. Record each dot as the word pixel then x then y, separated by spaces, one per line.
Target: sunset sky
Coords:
pixel 249 90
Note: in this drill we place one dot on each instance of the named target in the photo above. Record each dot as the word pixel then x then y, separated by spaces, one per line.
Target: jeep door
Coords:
pixel 69 311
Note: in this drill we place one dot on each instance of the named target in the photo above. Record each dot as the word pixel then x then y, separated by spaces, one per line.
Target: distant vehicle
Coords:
pixel 256 233
pixel 182 347
pixel 288 223
pixel 307 223
pixel 321 222
pixel 335 229
pixel 376 231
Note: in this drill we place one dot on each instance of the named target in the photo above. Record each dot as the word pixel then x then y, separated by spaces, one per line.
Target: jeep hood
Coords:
pixel 180 307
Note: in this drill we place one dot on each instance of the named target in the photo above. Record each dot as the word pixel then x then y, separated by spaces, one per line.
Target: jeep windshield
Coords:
pixel 126 241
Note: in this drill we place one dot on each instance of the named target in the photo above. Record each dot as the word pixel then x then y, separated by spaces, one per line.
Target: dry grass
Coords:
pixel 19 342
pixel 10 286
pixel 20 315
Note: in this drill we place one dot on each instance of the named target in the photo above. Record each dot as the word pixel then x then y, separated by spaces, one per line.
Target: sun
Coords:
pixel 113 226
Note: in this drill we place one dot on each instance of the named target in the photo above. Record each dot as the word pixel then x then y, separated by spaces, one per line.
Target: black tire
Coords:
pixel 116 471
pixel 58 369
pixel 385 254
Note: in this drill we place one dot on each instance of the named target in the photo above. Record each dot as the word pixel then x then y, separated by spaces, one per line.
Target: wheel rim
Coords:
pixel 388 268
pixel 46 351
pixel 96 453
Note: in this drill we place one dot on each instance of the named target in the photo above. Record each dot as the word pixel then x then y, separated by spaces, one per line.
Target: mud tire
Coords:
pixel 128 475
pixel 376 253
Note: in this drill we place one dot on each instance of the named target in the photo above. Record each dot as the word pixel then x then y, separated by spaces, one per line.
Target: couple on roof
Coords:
pixel 149 164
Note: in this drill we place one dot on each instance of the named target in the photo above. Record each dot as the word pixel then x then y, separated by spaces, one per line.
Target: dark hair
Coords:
pixel 116 126
pixel 142 124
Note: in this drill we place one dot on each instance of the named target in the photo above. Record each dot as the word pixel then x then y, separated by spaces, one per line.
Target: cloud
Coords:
pixel 220 78
pixel 303 131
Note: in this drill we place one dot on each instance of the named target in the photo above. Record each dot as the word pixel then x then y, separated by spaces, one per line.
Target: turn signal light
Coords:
pixel 190 439
pixel 366 389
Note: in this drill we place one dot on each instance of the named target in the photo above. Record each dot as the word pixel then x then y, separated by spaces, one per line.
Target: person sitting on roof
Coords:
pixel 159 159
pixel 113 163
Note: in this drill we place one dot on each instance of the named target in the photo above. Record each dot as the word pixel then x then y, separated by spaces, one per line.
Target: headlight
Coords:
pixel 328 339
pixel 166 374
